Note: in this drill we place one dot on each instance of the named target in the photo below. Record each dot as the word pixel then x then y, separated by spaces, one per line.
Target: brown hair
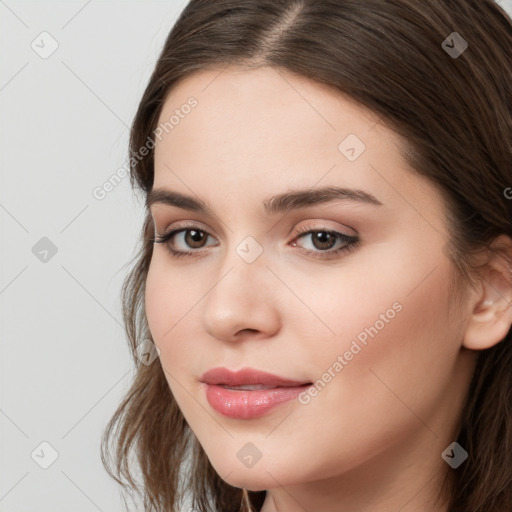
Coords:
pixel 454 114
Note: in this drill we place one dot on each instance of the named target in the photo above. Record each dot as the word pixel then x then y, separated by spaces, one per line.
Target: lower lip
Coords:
pixel 245 404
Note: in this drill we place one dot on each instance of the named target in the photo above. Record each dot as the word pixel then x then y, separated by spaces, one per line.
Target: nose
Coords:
pixel 242 302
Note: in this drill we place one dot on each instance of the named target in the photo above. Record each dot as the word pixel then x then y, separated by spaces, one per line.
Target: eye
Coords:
pixel 191 236
pixel 323 240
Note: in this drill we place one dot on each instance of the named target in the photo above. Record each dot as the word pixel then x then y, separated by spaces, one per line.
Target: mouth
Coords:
pixel 248 393
pixel 248 379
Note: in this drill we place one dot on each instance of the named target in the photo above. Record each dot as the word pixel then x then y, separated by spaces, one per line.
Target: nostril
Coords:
pixel 248 331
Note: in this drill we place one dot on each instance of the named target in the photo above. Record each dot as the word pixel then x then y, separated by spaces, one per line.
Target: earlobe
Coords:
pixel 491 316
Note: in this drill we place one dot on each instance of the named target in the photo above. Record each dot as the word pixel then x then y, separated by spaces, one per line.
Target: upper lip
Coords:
pixel 247 376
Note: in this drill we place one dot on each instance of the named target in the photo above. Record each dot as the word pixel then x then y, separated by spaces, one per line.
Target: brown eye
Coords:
pixel 323 240
pixel 194 238
pixel 183 241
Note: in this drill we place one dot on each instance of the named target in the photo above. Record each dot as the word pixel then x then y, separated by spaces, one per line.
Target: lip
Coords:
pixel 247 404
pixel 247 376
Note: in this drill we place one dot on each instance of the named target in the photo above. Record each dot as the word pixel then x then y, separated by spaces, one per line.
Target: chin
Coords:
pixel 252 479
pixel 251 484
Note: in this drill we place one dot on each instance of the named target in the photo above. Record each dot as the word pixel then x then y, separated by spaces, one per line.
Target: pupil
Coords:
pixel 323 237
pixel 195 235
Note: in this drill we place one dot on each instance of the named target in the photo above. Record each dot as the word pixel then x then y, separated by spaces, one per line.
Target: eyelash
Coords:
pixel 352 242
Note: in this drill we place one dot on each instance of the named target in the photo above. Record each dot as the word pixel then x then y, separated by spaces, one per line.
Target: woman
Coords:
pixel 325 269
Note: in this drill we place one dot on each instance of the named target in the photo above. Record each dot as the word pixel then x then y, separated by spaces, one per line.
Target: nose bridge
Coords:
pixel 239 300
pixel 242 268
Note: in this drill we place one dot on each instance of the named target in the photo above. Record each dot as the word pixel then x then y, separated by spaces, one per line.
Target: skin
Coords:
pixel 372 438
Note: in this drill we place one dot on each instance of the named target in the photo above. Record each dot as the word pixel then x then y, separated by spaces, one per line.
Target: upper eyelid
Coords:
pixel 303 230
pixel 312 224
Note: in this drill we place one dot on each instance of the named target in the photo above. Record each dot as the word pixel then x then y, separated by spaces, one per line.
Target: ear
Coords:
pixel 491 315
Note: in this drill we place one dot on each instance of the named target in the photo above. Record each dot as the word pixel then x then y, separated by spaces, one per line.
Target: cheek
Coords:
pixel 391 321
pixel 156 301
pixel 399 375
pixel 166 305
pixel 172 302
pixel 168 294
pixel 397 342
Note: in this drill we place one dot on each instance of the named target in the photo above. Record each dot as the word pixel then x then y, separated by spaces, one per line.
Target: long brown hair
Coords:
pixel 454 114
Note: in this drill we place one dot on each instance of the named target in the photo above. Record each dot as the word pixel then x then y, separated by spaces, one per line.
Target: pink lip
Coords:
pixel 224 376
pixel 246 404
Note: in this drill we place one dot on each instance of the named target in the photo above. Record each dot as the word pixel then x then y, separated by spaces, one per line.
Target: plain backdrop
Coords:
pixel 71 76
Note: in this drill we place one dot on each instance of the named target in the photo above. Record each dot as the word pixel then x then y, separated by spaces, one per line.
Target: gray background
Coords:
pixel 64 122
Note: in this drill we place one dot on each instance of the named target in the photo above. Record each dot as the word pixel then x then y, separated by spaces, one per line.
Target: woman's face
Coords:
pixel 368 323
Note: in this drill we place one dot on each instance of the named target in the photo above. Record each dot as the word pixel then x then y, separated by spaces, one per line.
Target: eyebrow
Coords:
pixel 280 203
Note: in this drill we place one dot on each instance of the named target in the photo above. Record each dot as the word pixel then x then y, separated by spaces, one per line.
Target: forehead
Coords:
pixel 259 119
pixel 264 94
pixel 264 130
